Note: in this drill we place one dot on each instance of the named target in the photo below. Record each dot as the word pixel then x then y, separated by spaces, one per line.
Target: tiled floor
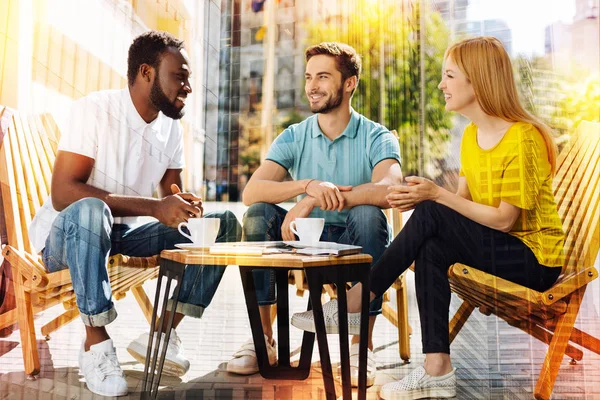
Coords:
pixel 488 367
pixel 494 360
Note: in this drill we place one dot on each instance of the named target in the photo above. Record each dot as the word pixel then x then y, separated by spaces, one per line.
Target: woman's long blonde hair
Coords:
pixel 487 66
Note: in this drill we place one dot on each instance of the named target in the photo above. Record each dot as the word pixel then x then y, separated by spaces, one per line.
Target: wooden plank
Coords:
pixel 22 202
pixel 9 196
pixel 143 301
pixel 45 165
pixel 60 321
pixel 31 164
pixel 26 327
pixel 556 350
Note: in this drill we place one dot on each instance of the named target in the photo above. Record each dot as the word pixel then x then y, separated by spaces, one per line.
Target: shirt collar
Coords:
pixel 351 129
pixel 134 118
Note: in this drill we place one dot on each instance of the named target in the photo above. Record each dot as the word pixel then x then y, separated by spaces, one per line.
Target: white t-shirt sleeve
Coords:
pixel 178 159
pixel 80 129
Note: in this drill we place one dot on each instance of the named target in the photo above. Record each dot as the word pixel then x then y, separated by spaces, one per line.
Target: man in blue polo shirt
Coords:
pixel 341 164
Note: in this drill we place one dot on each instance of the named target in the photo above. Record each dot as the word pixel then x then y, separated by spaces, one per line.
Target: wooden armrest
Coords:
pixel 32 272
pixel 568 284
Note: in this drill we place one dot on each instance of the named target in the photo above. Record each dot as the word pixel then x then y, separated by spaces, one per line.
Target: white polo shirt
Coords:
pixel 131 156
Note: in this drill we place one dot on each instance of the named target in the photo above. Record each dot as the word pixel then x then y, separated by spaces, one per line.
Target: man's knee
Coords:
pixel 364 217
pixel 90 213
pixel 256 219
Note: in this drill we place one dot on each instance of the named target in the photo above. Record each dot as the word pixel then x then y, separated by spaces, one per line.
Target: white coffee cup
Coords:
pixel 203 231
pixel 308 229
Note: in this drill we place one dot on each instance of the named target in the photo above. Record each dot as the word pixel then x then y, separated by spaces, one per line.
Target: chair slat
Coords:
pixel 30 165
pixel 11 193
pixel 45 165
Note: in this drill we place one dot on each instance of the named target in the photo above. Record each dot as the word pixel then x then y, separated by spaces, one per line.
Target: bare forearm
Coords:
pixel 368 194
pixel 120 205
pixel 491 217
pixel 268 191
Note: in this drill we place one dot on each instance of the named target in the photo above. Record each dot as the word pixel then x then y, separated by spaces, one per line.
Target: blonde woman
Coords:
pixel 503 219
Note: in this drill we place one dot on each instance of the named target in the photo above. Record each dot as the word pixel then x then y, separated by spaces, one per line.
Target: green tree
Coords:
pixel 386 35
pixel 581 102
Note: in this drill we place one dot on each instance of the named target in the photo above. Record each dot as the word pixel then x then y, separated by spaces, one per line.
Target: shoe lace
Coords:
pixel 107 365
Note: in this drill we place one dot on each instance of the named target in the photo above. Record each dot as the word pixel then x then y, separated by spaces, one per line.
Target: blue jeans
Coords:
pixel 366 226
pixel 83 236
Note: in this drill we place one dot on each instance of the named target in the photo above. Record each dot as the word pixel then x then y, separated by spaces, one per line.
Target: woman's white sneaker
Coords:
pixel 419 385
pixel 101 369
pixel 306 320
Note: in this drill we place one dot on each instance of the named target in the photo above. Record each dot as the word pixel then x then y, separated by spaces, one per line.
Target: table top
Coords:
pixel 266 260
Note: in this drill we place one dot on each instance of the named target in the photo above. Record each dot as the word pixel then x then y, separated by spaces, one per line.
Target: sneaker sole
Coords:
pixel 418 394
pixel 106 394
pixel 242 371
pixel 330 329
pixel 169 368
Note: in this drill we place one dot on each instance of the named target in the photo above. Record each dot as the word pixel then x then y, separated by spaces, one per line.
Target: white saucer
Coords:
pixel 192 247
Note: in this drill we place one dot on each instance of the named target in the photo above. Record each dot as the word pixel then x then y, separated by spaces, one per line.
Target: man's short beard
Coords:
pixel 331 104
pixel 161 102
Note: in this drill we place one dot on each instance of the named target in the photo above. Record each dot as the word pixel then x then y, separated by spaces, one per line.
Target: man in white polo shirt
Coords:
pixel 118 148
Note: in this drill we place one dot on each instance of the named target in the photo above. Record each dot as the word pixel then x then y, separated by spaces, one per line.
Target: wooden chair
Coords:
pixel 27 155
pixel 549 316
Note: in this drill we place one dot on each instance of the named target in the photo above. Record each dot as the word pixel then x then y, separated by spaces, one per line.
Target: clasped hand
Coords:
pixel 328 195
pixel 178 207
pixel 418 189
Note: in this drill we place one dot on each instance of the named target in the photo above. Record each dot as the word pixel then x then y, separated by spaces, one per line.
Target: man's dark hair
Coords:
pixel 147 49
pixel 347 59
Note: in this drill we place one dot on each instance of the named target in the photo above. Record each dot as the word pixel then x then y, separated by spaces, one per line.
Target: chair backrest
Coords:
pixel 27 156
pixel 577 194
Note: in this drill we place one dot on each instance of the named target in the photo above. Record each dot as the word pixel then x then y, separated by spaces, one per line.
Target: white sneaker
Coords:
pixel 419 385
pixel 371 366
pixel 101 369
pixel 306 321
pixel 244 361
pixel 175 362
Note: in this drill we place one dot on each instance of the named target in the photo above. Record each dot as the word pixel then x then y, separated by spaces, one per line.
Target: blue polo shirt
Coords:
pixel 307 153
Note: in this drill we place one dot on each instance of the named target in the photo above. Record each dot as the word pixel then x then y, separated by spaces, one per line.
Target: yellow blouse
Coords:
pixel 517 171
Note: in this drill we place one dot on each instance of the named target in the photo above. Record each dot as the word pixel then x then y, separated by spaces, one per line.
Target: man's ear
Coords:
pixel 351 84
pixel 146 72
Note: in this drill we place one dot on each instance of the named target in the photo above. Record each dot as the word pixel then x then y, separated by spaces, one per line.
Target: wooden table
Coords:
pixel 319 271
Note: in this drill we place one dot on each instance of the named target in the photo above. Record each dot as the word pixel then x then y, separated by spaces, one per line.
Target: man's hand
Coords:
pixel 300 210
pixel 178 207
pixel 189 197
pixel 327 194
pixel 406 197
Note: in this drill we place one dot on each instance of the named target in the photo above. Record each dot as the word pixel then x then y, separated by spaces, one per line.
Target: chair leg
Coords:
pixel 59 321
pixel 546 337
pixel 558 345
pixel 403 327
pixel 31 357
pixel 144 302
pixel 458 321
pixel 585 340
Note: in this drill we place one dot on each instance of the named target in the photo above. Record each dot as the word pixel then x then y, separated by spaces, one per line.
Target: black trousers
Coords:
pixel 435 237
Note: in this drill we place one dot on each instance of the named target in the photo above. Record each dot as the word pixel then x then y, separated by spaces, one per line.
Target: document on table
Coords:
pixel 282 247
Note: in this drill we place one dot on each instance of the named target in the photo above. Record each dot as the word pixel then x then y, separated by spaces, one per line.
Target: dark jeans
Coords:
pixel 366 226
pixel 435 237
